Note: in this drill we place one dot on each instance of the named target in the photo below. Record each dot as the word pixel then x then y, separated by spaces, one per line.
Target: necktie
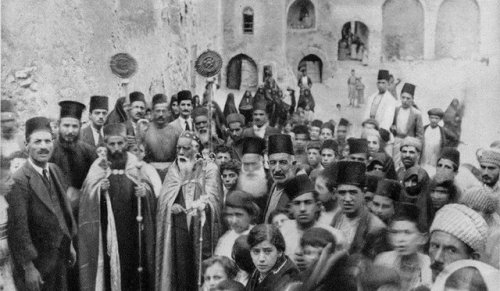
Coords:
pixel 187 126
pixel 46 180
pixel 100 141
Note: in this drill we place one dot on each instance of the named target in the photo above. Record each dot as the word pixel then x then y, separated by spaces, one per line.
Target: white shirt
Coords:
pixel 432 146
pixel 260 131
pixel 96 133
pixel 402 120
pixel 183 123
pixel 40 169
pixel 226 242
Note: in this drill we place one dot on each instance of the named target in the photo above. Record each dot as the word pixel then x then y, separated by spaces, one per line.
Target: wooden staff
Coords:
pixel 139 233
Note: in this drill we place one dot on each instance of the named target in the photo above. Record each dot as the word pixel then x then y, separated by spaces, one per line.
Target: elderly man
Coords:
pixel 41 224
pixel 283 167
pixel 73 156
pixel 136 112
pixel 116 191
pixel 381 105
pixel 184 121
pixel 489 160
pixel 457 233
pixel 305 208
pixel 189 206
pixel 411 148
pixel 12 141
pixel 354 220
pixel 98 111
pixel 260 126
pixel 161 137
pixel 202 128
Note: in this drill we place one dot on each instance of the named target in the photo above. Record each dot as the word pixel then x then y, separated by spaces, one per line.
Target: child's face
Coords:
pixel 405 237
pixel 314 133
pixel 279 220
pixel 311 255
pixel 102 152
pixel 434 120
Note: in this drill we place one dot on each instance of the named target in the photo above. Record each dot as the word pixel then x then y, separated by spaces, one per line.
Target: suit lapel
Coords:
pixel 38 186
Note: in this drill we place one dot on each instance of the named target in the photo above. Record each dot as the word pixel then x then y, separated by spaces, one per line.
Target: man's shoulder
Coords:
pixel 376 224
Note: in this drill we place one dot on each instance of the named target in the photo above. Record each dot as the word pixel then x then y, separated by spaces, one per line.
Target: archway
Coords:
pixel 313 66
pixel 242 73
pixel 353 42
pixel 301 15
pixel 403 29
pixel 457 29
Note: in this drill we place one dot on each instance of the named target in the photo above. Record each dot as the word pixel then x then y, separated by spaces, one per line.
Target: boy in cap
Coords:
pixel 184 121
pixel 381 105
pixel 325 186
pixel 327 131
pixel 434 136
pixel 386 199
pixel 314 159
pixel 314 129
pixel 98 112
pixel 235 123
pixel 301 140
pixel 329 153
pixel 341 137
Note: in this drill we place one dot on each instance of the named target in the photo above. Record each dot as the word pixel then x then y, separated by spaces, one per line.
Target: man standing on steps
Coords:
pixel 381 105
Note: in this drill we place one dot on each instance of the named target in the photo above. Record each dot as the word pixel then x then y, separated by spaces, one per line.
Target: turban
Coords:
pixel 491 156
pixel 463 223
pixel 412 142
pixel 479 199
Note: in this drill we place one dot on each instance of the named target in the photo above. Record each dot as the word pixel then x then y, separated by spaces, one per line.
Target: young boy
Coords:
pixel 434 138
pixel 327 131
pixel 314 129
pixel 312 243
pixel 230 171
pixel 328 151
pixel 407 238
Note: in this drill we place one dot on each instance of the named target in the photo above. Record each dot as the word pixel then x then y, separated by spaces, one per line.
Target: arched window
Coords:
pixel 248 20
pixel 301 15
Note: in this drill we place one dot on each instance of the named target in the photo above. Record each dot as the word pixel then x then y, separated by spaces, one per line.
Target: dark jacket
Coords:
pixel 35 233
pixel 87 136
pixel 283 273
pixel 414 126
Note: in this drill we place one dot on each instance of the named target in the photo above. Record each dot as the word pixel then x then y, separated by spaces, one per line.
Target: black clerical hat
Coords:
pixel 280 143
pixel 253 145
pixel 37 124
pixel 300 184
pixel 98 102
pixel 351 173
pixel 71 109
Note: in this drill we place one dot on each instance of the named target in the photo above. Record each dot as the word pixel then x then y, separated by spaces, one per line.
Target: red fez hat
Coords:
pixel 351 173
pixel 383 75
pixel 408 88
pixel 280 143
pixel 37 124
pixel 451 154
pixel 357 146
pixel 253 145
pixel 159 98
pixel 71 109
pixel 98 102
pixel 389 188
pixel 115 129
pixel 300 184
pixel 316 123
pixel 184 95
pixel 137 96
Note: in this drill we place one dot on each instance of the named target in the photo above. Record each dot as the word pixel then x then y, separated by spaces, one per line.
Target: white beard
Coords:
pixel 203 137
pixel 254 183
pixel 185 167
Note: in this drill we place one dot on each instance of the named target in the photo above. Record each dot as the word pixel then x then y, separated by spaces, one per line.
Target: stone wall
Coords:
pixel 54 50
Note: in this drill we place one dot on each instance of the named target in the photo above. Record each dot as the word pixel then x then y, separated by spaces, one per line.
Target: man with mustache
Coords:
pixel 12 141
pixel 261 127
pixel 381 106
pixel 354 220
pixel 98 111
pixel 235 123
pixel 41 225
pixel 489 160
pixel 185 102
pixel 116 186
pixel 457 233
pixel 192 193
pixel 160 140
pixel 411 147
pixel 136 112
pixel 72 155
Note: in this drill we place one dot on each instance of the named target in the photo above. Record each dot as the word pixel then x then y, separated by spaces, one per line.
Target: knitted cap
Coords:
pixel 413 142
pixel 463 223
pixel 490 155
pixel 479 199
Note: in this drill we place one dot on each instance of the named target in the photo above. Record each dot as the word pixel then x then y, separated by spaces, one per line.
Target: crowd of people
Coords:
pixel 181 195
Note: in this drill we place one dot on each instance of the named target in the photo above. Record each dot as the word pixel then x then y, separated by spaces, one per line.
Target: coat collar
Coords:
pixel 36 183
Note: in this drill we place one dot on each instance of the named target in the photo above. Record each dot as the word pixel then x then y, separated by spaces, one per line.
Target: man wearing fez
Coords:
pixel 72 155
pixel 260 126
pixel 354 220
pixel 283 167
pixel 411 147
pixel 358 150
pixel 305 207
pixel 184 121
pixel 189 206
pixel 434 137
pixel 407 121
pixel 108 238
pixel 136 112
pixel 12 141
pixel 381 105
pixel 489 160
pixel 457 233
pixel 161 137
pixel 98 111
pixel 253 177
pixel 41 224
pixel 385 199
pixel 235 123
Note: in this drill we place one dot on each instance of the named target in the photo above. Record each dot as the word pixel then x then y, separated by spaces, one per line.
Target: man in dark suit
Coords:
pixel 98 111
pixel 136 112
pixel 261 127
pixel 41 224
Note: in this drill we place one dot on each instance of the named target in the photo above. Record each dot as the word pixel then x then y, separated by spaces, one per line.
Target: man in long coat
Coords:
pixel 111 245
pixel 41 225
pixel 189 204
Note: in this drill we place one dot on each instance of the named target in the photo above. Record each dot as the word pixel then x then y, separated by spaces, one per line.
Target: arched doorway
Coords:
pixel 457 29
pixel 353 42
pixel 313 66
pixel 242 73
pixel 301 15
pixel 403 29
